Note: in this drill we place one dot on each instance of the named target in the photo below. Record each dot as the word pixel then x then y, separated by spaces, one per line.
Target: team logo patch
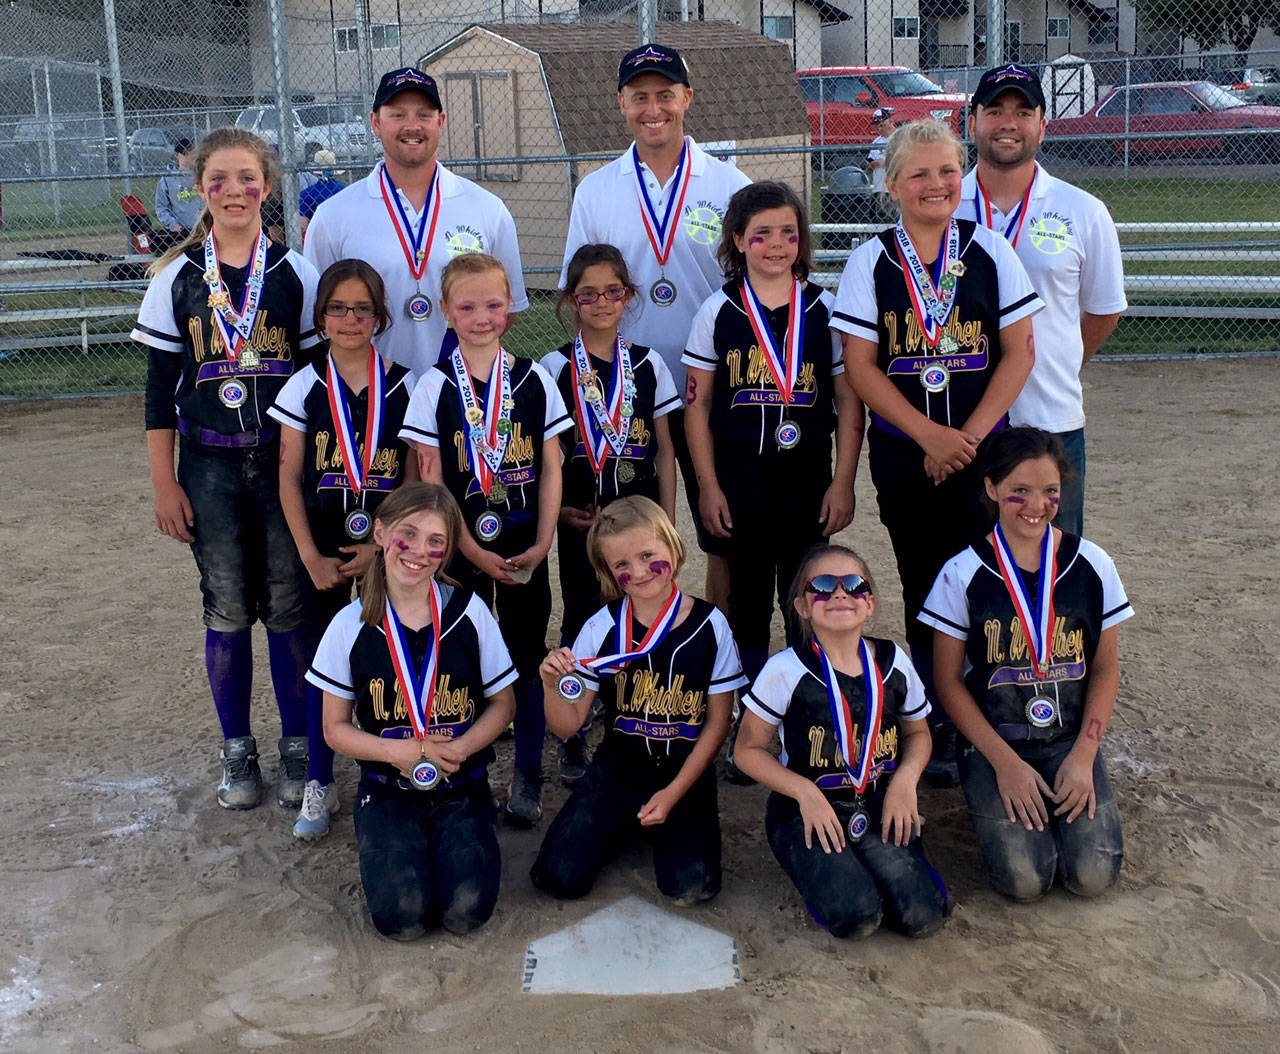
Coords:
pixel 702 224
pixel 462 241
pixel 424 775
pixel 1050 234
pixel 1041 711
pixel 859 824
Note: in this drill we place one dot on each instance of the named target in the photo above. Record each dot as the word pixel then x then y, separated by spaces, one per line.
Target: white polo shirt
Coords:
pixel 354 223
pixel 1071 250
pixel 606 209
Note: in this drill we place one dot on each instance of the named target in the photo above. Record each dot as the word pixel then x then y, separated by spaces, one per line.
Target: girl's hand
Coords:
pixel 713 507
pixel 529 559
pixel 1073 787
pixel 579 519
pixel 445 752
pixel 819 818
pixel 900 818
pixel 493 565
pixel 837 509
pixel 557 664
pixel 361 559
pixel 949 448
pixel 174 515
pixel 325 571
pixel 658 808
pixel 1023 791
pixel 405 753
pixel 935 470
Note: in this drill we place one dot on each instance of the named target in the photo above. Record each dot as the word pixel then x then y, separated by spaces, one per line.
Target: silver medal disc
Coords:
pixel 935 377
pixel 1041 711
pixel 418 307
pixel 859 824
pixel 488 526
pixel 424 775
pixel 663 292
pixel 233 393
pixel 358 524
pixel 570 687
pixel 787 435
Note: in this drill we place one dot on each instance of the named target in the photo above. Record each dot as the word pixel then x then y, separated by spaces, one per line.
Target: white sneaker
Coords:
pixel 318 804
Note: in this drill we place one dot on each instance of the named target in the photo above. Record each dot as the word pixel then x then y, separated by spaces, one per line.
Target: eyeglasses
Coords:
pixel 825 585
pixel 613 294
pixel 364 312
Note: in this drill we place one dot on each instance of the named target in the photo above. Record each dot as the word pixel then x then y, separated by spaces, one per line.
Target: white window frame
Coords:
pixel 386 30
pixel 346 39
pixel 1052 23
pixel 906 27
pixel 775 19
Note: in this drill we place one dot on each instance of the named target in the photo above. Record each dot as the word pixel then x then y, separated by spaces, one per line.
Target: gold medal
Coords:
pixel 956 267
pixel 250 359
pixel 498 495
pixel 626 472
pixel 475 415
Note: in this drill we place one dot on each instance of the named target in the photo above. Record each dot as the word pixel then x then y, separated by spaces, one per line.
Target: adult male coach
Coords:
pixel 1068 243
pixel 410 217
pixel 662 204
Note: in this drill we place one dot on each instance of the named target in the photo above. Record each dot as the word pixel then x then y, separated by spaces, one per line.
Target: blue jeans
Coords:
pixel 249 566
pixel 427 858
pixel 1071 510
pixel 1022 864
pixel 851 892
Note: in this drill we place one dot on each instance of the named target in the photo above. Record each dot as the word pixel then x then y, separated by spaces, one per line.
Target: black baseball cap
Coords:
pixel 652 58
pixel 182 145
pixel 406 79
pixel 1012 77
pixel 881 115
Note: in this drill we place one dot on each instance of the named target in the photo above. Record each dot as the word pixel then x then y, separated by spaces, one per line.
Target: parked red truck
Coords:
pixel 841 99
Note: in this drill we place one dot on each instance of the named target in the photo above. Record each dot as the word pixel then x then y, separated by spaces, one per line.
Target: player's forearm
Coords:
pixel 1094 331
pixel 850 425
pixel 160 444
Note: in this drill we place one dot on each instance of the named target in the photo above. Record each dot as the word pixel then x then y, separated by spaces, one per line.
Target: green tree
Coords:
pixel 1213 22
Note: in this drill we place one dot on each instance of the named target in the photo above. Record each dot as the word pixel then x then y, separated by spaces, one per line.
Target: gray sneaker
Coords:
pixel 241 786
pixel 573 760
pixel 524 800
pixel 291 780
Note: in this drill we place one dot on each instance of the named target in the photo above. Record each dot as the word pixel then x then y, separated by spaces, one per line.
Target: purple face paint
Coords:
pixel 436 554
pixel 793 239
pixel 399 545
pixel 1054 502
pixel 253 193
pixel 624 579
pixel 215 189
pixel 661 568
pixel 1015 499
pixel 755 239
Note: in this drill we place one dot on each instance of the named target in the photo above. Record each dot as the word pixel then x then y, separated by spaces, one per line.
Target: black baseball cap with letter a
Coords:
pixel 995 82
pixel 653 58
pixel 406 79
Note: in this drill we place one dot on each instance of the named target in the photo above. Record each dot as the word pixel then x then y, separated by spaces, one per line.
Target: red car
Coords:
pixel 841 99
pixel 1196 108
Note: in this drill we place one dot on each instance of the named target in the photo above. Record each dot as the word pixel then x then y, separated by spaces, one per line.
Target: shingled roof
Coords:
pixel 746 84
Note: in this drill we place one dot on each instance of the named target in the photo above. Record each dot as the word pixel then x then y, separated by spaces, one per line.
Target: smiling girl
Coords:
pixel 227 317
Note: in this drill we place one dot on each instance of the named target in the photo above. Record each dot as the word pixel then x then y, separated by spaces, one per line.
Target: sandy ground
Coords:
pixel 139 916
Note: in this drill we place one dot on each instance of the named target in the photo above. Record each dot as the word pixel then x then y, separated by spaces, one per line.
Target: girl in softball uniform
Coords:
pixel 665 667
pixel 340 456
pixel 764 398
pixel 1027 664
pixel 417 686
pixel 843 819
pixel 227 316
pixel 482 421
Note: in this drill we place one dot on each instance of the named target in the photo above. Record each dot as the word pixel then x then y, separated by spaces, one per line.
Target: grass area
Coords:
pixel 1182 336
pixel 43 209
pixel 43 372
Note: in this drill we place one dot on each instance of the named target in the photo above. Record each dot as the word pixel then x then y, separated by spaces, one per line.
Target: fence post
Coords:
pixel 995 33
pixel 117 91
pixel 647 18
pixel 284 108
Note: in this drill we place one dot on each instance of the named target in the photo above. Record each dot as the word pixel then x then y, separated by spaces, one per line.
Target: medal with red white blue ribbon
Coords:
pixel 933 297
pixel 1015 220
pixel 357 468
pixel 605 421
pixel 784 362
pixel 418 686
pixel 662 232
pixel 628 651
pixel 235 324
pixel 488 427
pixel 1035 612
pixel 842 714
pixel 415 240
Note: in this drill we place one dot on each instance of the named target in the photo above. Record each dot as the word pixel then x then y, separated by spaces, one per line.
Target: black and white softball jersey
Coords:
pixel 746 406
pixel 176 318
pixel 303 404
pixel 791 695
pixel 992 291
pixel 635 469
pixel 969 601
pixel 656 706
pixel 353 662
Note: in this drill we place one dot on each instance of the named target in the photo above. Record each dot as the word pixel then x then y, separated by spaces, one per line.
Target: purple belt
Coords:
pixel 228 440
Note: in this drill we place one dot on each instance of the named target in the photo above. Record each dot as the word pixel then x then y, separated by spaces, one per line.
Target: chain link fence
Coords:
pixel 1153 106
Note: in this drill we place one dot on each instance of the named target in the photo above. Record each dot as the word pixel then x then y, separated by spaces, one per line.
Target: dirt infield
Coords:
pixel 139 916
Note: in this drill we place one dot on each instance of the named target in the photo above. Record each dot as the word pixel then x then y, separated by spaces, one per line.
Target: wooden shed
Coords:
pixel 532 91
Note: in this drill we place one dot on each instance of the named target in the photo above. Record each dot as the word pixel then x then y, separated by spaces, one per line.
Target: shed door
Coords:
pixel 481 109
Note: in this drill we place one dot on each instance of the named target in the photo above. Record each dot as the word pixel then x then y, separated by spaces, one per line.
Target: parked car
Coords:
pixel 152 148
pixel 316 126
pixel 841 99
pixel 1260 84
pixel 1198 109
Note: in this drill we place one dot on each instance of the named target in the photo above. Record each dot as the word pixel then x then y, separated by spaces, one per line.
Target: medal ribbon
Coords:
pixel 1036 613
pixel 604 424
pixel 982 207
pixel 487 451
pixel 628 651
pixel 235 324
pixel 417 686
pixel 842 713
pixel 662 233
pixel 344 427
pixel 785 362
pixel 933 303
pixel 415 242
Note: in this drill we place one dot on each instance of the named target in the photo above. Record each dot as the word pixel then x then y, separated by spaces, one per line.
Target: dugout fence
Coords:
pixel 94 92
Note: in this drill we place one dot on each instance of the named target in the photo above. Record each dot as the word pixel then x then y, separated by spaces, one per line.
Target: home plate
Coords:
pixel 631 948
